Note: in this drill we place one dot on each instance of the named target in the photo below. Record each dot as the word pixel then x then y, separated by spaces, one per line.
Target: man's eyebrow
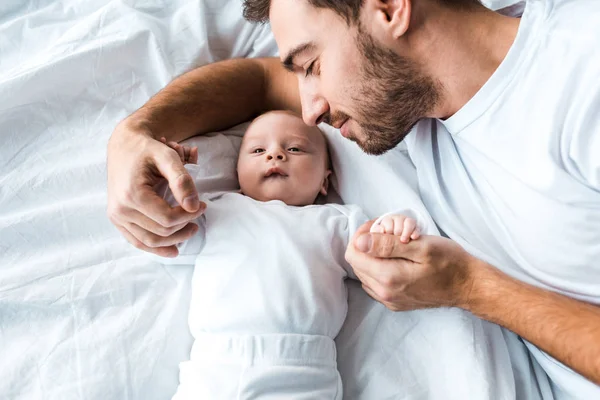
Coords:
pixel 288 61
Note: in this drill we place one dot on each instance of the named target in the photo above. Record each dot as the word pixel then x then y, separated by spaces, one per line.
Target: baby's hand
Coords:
pixel 188 155
pixel 398 225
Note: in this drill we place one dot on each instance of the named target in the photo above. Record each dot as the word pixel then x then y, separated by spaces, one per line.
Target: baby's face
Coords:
pixel 283 159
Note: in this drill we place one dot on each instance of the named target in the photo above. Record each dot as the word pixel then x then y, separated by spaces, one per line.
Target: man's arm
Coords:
pixel 209 98
pixel 217 96
pixel 436 272
pixel 567 329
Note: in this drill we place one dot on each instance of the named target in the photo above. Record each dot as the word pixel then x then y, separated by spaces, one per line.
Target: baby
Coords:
pixel 268 293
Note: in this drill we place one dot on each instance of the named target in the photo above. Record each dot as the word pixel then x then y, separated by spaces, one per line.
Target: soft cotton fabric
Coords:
pixel 85 314
pixel 514 176
pixel 266 367
pixel 268 282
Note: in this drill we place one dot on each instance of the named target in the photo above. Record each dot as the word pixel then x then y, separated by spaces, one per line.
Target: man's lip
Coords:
pixel 274 171
pixel 344 129
pixel 339 126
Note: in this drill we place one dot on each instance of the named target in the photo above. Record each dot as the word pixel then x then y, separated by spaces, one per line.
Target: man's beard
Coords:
pixel 393 96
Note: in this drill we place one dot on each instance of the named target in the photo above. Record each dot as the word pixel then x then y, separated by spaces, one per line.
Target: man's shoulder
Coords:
pixel 577 18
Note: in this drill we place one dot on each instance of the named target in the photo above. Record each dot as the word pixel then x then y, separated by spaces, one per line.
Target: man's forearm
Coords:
pixel 209 98
pixel 567 329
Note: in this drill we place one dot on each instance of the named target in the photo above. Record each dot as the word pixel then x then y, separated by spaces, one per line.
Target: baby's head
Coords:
pixel 281 158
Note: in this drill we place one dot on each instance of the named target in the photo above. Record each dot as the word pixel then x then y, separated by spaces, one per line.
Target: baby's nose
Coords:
pixel 277 155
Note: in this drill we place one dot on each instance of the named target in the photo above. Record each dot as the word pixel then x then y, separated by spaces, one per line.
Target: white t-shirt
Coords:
pixel 514 176
pixel 266 267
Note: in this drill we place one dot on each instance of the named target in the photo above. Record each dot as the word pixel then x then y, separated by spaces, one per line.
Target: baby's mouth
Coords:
pixel 275 172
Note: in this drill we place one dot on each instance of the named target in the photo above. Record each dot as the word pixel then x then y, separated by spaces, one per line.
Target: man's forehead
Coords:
pixel 293 23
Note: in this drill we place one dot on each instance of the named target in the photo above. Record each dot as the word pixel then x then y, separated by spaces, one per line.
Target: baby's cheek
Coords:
pixel 248 183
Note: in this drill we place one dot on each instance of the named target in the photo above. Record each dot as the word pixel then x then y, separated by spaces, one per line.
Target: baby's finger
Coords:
pixel 179 149
pixel 409 227
pixel 398 224
pixel 416 234
pixel 377 228
pixel 194 155
pixel 186 154
pixel 388 224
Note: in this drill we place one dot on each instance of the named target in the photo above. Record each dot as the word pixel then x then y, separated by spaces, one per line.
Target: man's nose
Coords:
pixel 314 105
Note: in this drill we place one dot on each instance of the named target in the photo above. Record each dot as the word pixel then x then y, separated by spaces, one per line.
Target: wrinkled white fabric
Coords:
pixel 266 276
pixel 270 367
pixel 85 315
pixel 514 175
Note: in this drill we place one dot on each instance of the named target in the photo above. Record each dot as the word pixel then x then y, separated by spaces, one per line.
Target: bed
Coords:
pixel 84 315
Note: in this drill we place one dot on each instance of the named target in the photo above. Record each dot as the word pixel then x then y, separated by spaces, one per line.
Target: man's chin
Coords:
pixel 377 144
pixel 370 148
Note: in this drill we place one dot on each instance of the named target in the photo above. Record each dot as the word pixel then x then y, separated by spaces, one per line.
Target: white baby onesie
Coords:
pixel 268 298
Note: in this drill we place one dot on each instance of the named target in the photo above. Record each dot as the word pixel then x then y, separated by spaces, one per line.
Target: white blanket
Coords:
pixel 85 315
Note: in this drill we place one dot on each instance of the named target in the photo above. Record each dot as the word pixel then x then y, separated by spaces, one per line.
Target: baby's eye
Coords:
pixel 258 151
pixel 293 149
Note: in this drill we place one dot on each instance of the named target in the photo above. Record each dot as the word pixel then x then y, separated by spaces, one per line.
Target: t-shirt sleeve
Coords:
pixel 584 155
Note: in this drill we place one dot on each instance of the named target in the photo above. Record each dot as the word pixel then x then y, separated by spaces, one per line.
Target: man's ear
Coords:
pixel 325 184
pixel 386 20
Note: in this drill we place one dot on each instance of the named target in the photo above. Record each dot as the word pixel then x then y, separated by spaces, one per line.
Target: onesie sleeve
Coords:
pixel 356 217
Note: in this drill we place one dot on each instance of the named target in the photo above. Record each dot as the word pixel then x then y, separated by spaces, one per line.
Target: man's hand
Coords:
pixel 437 272
pixel 425 273
pixel 136 163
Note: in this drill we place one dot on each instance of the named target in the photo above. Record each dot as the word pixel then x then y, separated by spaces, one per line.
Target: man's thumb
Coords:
pixel 180 182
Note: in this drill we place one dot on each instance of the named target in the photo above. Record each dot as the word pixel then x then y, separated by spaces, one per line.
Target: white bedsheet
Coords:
pixel 83 315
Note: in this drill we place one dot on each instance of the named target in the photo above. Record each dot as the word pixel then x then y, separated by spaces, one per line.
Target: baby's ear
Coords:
pixel 325 185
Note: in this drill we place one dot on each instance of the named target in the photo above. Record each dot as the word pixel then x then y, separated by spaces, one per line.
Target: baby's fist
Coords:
pixel 187 154
pixel 399 225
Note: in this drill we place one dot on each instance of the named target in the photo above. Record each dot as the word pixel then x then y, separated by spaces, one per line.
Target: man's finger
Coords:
pixel 364 228
pixel 137 218
pixel 170 251
pixel 181 183
pixel 381 272
pixel 388 246
pixel 157 209
pixel 149 239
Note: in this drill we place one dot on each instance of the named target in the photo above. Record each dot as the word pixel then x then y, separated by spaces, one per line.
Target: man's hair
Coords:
pixel 258 10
